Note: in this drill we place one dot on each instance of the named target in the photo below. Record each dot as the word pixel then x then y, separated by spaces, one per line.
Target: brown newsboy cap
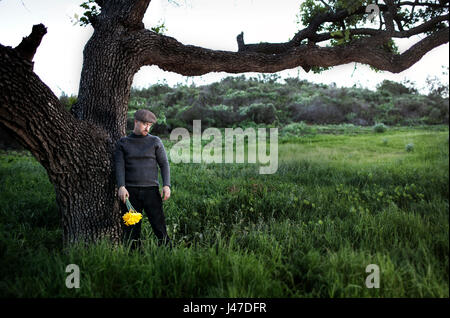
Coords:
pixel 145 116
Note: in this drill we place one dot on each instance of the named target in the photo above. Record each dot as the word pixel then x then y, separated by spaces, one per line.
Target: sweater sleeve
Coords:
pixel 163 162
pixel 119 163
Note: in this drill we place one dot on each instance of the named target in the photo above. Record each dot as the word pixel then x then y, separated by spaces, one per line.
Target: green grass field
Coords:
pixel 338 202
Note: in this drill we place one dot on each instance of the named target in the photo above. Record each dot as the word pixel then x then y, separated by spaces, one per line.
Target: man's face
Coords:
pixel 141 128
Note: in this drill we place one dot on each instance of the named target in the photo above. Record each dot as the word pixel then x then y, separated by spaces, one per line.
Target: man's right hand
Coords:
pixel 123 194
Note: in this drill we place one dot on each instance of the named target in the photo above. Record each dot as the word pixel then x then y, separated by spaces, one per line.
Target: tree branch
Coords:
pixel 150 48
pixel 417 3
pixel 309 32
pixel 425 27
pixel 417 51
pixel 388 11
pixel 389 16
pixel 171 55
pixel 30 110
pixel 27 48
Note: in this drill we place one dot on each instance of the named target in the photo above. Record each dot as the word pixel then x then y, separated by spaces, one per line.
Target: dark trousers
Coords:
pixel 149 200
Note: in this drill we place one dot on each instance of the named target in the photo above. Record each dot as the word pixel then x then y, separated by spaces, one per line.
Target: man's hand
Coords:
pixel 166 193
pixel 123 194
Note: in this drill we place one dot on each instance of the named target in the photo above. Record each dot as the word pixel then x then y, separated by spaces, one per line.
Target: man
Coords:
pixel 137 158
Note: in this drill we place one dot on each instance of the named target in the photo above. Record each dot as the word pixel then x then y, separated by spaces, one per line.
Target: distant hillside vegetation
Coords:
pixel 237 101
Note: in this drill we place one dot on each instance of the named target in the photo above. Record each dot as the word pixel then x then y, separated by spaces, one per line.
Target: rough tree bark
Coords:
pixel 75 153
pixel 76 148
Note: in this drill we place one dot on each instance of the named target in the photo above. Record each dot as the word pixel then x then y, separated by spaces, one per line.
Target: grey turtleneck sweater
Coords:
pixel 136 161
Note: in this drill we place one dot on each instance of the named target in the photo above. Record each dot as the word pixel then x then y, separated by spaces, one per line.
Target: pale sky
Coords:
pixel 212 24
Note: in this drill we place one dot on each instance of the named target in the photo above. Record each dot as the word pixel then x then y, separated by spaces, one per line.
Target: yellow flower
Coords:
pixel 132 217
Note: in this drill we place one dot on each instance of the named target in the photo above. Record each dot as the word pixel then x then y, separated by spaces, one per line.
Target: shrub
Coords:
pixel 434 116
pixel 260 113
pixel 224 116
pixel 351 116
pixel 152 92
pixel 237 98
pixel 68 101
pixel 318 111
pixel 298 129
pixel 394 87
pixel 413 106
pixel 379 128
pixel 190 113
pixel 409 147
pixel 172 98
pixel 136 103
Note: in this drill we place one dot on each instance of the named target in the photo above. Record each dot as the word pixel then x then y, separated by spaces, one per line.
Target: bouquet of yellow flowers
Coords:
pixel 131 217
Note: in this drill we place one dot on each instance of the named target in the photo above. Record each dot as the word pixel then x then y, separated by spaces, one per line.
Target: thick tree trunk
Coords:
pixel 88 205
pixel 76 154
pixel 105 83
pixel 77 150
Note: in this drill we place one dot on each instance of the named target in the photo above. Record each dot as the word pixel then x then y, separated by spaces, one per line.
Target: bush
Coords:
pixel 68 101
pixel 409 147
pixel 379 128
pixel 237 98
pixel 298 129
pixel 152 92
pixel 434 117
pixel 394 88
pixel 318 111
pixel 191 113
pixel 224 116
pixel 260 113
